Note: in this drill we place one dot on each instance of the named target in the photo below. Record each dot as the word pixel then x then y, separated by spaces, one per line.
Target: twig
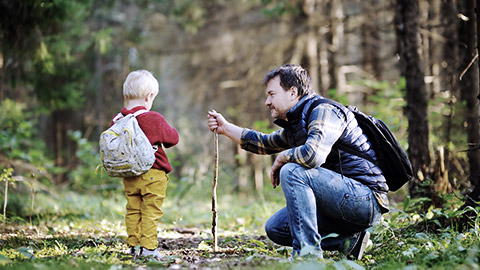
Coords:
pixel 468 67
pixel 5 203
pixel 214 193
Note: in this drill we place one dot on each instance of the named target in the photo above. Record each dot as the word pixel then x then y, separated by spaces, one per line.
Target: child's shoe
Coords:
pixel 154 253
pixel 133 252
pixel 130 251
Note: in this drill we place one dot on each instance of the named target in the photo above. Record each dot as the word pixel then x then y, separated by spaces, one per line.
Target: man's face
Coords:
pixel 278 100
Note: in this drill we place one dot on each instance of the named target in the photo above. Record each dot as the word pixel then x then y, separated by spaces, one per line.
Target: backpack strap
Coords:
pixel 137 113
pixel 319 101
pixel 120 115
pixel 338 144
pixel 117 117
pixel 354 152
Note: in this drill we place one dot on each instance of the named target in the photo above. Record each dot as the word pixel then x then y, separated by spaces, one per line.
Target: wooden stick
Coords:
pixel 214 193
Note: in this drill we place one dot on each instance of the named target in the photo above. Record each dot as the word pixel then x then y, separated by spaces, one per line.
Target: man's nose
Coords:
pixel 267 101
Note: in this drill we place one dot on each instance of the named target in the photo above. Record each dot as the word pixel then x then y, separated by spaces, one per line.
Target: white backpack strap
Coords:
pixel 120 115
pixel 117 117
pixel 137 113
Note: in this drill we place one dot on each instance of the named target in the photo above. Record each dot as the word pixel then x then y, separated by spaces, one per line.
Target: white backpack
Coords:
pixel 125 149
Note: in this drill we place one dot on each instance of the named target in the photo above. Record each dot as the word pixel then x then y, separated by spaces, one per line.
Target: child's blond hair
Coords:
pixel 139 84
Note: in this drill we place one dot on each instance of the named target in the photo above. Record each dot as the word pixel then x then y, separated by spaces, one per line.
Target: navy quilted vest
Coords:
pixel 339 161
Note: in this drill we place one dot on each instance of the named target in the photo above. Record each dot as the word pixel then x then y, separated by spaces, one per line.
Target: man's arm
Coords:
pixel 218 122
pixel 256 142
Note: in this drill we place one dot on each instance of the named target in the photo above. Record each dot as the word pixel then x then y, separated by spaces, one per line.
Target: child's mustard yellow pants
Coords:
pixel 145 194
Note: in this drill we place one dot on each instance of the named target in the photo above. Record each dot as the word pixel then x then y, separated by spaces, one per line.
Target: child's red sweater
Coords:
pixel 158 132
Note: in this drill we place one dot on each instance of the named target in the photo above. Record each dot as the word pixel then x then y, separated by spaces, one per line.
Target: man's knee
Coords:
pixel 287 170
pixel 276 234
pixel 276 229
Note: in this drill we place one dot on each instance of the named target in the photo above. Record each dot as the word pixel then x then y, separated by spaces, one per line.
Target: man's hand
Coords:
pixel 275 172
pixel 216 121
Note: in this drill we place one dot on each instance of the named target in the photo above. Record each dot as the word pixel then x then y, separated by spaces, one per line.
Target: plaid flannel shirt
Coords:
pixel 323 132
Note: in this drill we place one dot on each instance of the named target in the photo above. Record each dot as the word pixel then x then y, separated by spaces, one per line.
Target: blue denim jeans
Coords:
pixel 321 202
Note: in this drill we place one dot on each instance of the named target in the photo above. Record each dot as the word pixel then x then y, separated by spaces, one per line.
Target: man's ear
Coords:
pixel 293 91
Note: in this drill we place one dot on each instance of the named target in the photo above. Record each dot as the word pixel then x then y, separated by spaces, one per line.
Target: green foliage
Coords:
pixel 86 231
pixel 281 7
pixel 103 40
pixel 24 23
pixel 263 126
pixel 190 15
pixel 16 130
pixel 60 87
pixel 6 176
pixel 87 175
pixel 18 134
pixel 59 70
pixel 433 239
pixel 447 130
pixel 386 102
pixel 333 94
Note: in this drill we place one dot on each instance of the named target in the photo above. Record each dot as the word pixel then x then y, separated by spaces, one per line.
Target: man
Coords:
pixel 329 193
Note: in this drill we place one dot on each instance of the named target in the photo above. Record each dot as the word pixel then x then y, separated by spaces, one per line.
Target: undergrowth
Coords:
pixel 87 232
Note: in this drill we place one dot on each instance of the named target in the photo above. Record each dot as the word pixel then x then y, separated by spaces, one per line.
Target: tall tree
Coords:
pixel 469 86
pixel 371 41
pixel 417 106
pixel 337 31
pixel 450 19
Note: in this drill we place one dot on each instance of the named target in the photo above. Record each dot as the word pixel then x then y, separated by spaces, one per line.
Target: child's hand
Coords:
pixel 217 122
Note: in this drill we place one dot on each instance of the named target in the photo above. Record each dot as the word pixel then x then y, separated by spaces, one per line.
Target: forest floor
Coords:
pixel 82 231
pixel 98 246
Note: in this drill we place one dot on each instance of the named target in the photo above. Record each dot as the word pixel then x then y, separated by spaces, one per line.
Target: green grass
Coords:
pixel 86 231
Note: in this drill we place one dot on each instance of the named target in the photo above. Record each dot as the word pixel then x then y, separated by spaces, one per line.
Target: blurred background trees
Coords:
pixel 413 64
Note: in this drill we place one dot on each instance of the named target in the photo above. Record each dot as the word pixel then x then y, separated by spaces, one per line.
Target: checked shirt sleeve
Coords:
pixel 263 144
pixel 326 125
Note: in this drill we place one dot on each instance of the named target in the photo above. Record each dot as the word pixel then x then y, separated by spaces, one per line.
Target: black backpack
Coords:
pixel 391 158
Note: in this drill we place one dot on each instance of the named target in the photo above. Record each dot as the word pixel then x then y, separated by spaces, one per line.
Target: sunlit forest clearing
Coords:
pixel 412 63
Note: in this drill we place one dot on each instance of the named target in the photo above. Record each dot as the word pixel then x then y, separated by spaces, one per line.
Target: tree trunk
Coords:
pixel 371 41
pixel 325 79
pixel 242 169
pixel 58 138
pixel 477 12
pixel 450 55
pixel 1 77
pixel 99 93
pixel 309 7
pixel 417 107
pixel 435 45
pixel 258 172
pixel 337 32
pixel 470 89
pixel 424 44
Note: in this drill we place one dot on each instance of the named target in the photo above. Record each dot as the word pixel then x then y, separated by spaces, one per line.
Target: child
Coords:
pixel 145 193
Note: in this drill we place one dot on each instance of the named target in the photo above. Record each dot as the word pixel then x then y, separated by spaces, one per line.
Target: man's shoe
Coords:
pixel 153 253
pixel 357 252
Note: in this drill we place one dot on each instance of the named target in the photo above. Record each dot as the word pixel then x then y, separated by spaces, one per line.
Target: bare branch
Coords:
pixel 214 193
